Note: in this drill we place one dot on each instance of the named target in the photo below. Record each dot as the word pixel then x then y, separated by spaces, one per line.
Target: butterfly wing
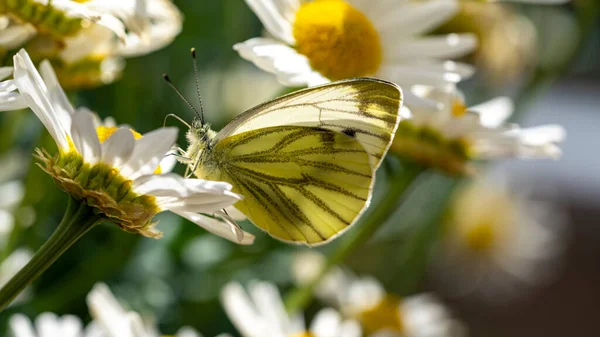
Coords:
pixel 300 184
pixel 365 109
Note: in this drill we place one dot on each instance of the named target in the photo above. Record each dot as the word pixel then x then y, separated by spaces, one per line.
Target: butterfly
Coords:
pixel 305 162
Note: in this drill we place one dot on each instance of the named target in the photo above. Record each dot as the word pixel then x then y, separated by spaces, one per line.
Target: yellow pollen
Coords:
pixel 480 238
pixel 384 315
pixel 339 41
pixel 106 131
pixel 458 108
pixel 303 334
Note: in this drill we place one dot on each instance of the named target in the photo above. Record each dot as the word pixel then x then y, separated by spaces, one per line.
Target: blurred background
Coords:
pixel 526 52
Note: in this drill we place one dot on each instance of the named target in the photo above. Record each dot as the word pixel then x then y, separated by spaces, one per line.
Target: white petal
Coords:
pixel 117 149
pixel 57 94
pixel 442 46
pixel 219 228
pixel 34 91
pixel 414 18
pixel 241 311
pixel 85 137
pixel 275 57
pixel 268 301
pixel 273 20
pixel 167 164
pixel 494 112
pixel 149 151
pixel 326 323
pixel 10 101
pixel 20 326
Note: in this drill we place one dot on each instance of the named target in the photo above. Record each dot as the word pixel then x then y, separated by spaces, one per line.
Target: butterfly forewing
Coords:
pixel 300 184
pixel 364 109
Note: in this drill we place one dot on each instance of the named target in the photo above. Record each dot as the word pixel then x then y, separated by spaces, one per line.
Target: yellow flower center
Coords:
pixel 303 334
pixel 383 315
pixel 106 131
pixel 339 40
pixel 458 108
pixel 480 238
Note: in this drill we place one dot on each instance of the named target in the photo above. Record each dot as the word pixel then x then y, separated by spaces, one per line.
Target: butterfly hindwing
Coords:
pixel 300 184
pixel 365 109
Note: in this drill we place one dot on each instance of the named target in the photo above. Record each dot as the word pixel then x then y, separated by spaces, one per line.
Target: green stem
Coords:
pixel 78 219
pixel 370 223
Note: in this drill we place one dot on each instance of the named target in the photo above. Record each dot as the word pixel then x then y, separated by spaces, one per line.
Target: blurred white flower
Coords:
pixel 260 313
pixel 442 132
pixel 497 244
pixel 120 165
pixel 315 42
pixel 381 314
pixel 51 325
pixel 115 321
pixel 87 40
pixel 110 319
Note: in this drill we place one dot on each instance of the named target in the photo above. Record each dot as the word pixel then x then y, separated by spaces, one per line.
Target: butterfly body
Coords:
pixel 305 163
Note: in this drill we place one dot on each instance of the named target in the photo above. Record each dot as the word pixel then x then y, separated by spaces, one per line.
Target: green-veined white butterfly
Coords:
pixel 304 162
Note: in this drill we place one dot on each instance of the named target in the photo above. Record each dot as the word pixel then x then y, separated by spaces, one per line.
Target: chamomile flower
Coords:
pixel 442 132
pixel 110 319
pixel 50 325
pixel 118 322
pixel 260 313
pixel 86 41
pixel 116 170
pixel 497 243
pixel 379 312
pixel 314 42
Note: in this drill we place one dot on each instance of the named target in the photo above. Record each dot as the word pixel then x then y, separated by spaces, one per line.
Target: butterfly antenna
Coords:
pixel 193 51
pixel 168 80
pixel 177 118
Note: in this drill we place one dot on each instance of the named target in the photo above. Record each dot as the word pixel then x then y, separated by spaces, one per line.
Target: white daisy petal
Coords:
pixel 117 149
pixel 445 46
pixel 415 17
pixel 85 137
pixel 494 112
pixel 231 233
pixel 61 103
pixel 274 20
pixel 10 101
pixel 35 93
pixel 242 312
pixel 20 326
pixel 149 151
pixel 326 323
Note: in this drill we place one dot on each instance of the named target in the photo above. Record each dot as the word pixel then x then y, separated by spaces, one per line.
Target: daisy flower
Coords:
pixel 111 174
pixel 508 40
pixel 115 321
pixel 86 41
pixel 261 313
pixel 50 325
pixel 110 319
pixel 380 313
pixel 496 242
pixel 315 42
pixel 442 132
pixel 116 170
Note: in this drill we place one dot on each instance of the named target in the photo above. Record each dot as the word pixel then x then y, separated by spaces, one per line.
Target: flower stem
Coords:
pixel 399 183
pixel 78 219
